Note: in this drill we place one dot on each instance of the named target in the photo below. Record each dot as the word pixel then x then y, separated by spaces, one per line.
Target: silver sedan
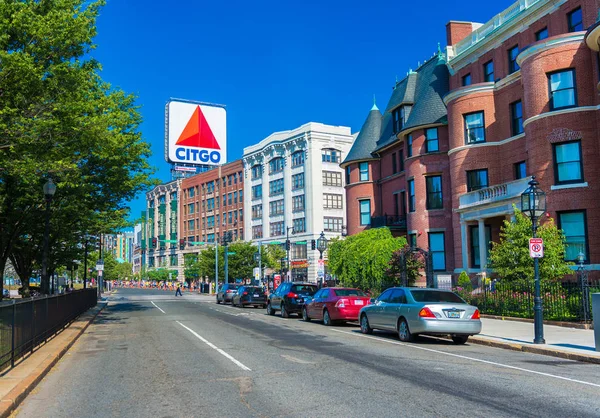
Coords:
pixel 412 311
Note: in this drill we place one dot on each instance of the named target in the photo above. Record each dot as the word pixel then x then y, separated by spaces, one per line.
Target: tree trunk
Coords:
pixel 2 266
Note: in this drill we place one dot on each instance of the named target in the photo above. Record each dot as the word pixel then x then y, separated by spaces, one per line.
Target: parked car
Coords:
pixel 414 311
pixel 226 292
pixel 289 298
pixel 250 295
pixel 332 304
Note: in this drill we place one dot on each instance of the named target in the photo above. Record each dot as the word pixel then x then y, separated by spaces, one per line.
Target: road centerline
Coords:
pixel 493 363
pixel 214 347
pixel 156 306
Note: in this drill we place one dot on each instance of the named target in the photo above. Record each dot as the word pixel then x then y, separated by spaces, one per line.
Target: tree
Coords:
pixel 58 118
pixel 362 260
pixel 414 263
pixel 510 257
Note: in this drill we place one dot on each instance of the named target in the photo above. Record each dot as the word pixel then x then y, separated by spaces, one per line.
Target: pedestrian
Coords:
pixel 178 291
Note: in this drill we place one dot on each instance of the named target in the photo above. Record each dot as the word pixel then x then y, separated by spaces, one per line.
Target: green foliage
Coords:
pixel 58 118
pixel 464 281
pixel 162 274
pixel 510 257
pixel 414 263
pixel 362 260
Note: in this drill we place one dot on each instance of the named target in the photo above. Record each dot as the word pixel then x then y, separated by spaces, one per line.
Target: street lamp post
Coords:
pixel 533 204
pixel 49 190
pixel 322 246
pixel 288 245
pixel 582 278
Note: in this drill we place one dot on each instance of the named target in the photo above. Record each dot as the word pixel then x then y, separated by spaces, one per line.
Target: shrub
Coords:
pixel 464 281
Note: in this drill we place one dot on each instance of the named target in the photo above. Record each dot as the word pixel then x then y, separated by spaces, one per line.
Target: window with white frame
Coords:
pixel 298 181
pixel 257 231
pixel 299 225
pixel 332 201
pixel 298 203
pixel 276 165
pixel 330 155
pixel 331 224
pixel 298 159
pixel 332 178
pixel 275 187
pixel 276 229
pixel 276 207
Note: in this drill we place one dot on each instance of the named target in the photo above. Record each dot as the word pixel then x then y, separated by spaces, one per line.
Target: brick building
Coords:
pixel 212 203
pixel 521 99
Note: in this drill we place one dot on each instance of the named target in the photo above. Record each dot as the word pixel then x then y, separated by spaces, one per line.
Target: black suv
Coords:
pixel 289 298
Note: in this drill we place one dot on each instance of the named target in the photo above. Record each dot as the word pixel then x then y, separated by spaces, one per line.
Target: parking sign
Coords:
pixel 536 247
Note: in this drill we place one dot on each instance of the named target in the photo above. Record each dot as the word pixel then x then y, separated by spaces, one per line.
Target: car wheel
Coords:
pixel 460 339
pixel 326 318
pixel 270 310
pixel 284 312
pixel 403 331
pixel 364 325
pixel 264 306
pixel 305 316
pixel 218 301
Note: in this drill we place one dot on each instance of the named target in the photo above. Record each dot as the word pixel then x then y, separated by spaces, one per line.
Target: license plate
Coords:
pixel 299 300
pixel 453 314
pixel 359 302
pixel 255 295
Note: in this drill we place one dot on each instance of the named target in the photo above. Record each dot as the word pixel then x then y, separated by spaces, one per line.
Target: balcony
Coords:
pixel 391 221
pixel 494 194
pixel 491 26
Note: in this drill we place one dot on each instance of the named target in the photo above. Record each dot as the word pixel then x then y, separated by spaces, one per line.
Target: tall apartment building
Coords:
pixel 295 188
pixel 160 227
pixel 136 259
pixel 463 134
pixel 212 204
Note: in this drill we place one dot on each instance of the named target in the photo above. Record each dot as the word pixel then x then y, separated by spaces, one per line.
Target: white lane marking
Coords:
pixel 157 307
pixel 470 358
pixel 211 345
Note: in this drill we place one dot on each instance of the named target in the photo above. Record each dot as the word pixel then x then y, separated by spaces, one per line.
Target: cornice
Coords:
pixel 592 37
pixel 486 144
pixel 466 90
pixel 560 112
pixel 550 43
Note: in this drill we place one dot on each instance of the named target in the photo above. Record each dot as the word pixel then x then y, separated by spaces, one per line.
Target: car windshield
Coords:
pixel 306 289
pixel 349 292
pixel 435 296
pixel 233 286
pixel 254 289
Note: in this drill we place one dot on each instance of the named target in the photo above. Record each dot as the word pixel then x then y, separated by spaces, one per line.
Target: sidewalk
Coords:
pixel 570 343
pixel 16 383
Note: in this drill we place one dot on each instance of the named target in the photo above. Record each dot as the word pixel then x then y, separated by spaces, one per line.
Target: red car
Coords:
pixel 335 304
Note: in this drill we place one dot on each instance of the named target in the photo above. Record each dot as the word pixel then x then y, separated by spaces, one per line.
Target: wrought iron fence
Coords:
pixel 25 324
pixel 562 301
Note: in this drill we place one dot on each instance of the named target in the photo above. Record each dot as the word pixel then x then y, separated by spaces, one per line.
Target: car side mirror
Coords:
pixel 372 300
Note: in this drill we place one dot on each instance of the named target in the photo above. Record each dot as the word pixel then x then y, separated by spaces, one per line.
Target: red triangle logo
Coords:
pixel 197 133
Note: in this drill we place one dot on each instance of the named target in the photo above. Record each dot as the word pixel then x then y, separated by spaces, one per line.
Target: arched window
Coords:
pixel 331 155
pixel 276 165
pixel 298 158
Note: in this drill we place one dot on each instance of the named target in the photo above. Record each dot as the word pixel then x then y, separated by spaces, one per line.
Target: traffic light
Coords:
pixel 287 245
pixel 182 244
pixel 313 244
pixel 154 242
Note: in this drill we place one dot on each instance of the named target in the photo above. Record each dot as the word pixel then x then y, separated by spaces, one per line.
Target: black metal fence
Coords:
pixel 562 301
pixel 25 324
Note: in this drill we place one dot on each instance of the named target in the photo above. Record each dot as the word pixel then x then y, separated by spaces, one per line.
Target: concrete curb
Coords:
pixel 13 399
pixel 564 324
pixel 535 349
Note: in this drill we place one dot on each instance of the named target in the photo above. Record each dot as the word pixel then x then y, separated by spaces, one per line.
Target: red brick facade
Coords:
pixel 506 138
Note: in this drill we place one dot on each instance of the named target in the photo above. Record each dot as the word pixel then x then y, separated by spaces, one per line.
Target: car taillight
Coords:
pixel 476 314
pixel 245 293
pixel 426 313
pixel 341 303
pixel 292 295
pixel 229 291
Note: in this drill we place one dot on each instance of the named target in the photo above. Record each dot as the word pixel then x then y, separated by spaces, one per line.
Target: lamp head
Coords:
pixel 49 189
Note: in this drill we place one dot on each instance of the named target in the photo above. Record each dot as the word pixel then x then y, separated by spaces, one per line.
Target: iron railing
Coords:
pixel 391 221
pixel 27 323
pixel 562 301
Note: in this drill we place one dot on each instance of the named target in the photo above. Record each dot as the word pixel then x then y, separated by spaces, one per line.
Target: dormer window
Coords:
pixel 400 116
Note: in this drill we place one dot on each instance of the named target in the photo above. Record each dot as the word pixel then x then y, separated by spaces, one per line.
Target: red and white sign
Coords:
pixel 536 247
pixel 196 133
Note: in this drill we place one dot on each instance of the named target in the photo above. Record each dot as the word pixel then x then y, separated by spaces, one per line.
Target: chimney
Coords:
pixel 457 31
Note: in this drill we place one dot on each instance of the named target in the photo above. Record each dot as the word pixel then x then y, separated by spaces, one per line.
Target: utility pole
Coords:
pixel 226 243
pixel 216 265
pixel 260 275
pixel 85 263
pixel 100 271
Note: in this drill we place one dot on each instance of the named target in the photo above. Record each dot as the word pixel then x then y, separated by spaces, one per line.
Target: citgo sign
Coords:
pixel 196 133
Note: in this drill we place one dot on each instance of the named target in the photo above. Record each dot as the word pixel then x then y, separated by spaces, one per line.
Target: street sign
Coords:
pixel 230 253
pixel 100 265
pixel 256 272
pixel 536 247
pixel 321 268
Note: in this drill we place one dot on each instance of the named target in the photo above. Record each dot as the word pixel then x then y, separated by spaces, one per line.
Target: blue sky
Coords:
pixel 274 64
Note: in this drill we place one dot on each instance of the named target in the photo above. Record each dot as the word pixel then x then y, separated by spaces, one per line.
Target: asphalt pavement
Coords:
pixel 152 354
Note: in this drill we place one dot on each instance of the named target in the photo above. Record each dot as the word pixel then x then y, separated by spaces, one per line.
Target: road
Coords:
pixel 151 354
